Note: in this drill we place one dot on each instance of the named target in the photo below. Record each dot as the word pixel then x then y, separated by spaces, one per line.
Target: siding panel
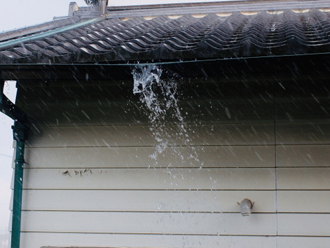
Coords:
pixel 304 224
pixel 107 157
pixel 149 223
pixel 303 242
pixel 303 178
pixel 304 201
pixel 303 133
pixel 189 179
pixel 114 136
pixel 191 201
pixel 303 156
pixel 160 241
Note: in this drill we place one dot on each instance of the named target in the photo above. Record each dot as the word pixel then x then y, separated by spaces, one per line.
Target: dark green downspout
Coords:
pixel 20 134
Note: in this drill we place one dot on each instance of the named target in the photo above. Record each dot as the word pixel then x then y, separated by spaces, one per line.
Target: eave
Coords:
pixel 168 34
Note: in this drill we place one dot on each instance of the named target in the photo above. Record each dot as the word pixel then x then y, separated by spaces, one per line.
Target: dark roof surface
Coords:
pixel 187 37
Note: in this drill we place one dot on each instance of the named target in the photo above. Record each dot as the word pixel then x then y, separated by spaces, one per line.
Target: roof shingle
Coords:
pixel 185 38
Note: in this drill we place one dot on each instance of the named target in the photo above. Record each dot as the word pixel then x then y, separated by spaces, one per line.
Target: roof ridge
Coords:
pixel 204 8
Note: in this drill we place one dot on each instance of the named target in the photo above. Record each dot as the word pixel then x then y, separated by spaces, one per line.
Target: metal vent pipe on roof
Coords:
pixel 103 7
pixel 73 7
pixel 102 4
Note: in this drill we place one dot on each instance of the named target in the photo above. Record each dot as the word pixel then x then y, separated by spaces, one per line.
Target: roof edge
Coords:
pixel 9 35
pixel 203 8
pixel 30 37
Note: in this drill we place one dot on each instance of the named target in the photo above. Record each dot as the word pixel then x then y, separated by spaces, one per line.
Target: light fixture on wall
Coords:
pixel 246 207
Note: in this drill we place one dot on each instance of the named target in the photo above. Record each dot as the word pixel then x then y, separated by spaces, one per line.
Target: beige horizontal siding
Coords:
pixel 146 201
pixel 176 223
pixel 234 241
pixel 160 241
pixel 84 183
pixel 303 156
pixel 107 157
pixel 303 178
pixel 303 242
pixel 188 201
pixel 311 132
pixel 87 178
pixel 304 224
pixel 132 136
pixel 149 223
pixel 304 201
pixel 189 179
pixel 208 134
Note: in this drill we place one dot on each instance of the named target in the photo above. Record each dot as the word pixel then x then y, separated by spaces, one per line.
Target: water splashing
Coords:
pixel 158 95
pixel 161 99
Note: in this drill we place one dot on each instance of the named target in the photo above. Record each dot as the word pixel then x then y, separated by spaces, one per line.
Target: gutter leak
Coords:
pixel 160 97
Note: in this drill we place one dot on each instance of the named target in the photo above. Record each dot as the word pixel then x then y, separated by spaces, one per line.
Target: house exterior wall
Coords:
pixel 90 181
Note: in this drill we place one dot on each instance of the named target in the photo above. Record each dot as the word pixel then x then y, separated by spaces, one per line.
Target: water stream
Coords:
pixel 167 122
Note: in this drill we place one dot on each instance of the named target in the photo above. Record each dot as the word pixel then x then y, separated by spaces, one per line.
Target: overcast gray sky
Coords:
pixel 21 13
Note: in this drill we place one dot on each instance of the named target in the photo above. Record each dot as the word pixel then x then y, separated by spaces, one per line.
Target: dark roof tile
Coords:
pixel 49 53
pixel 63 36
pixel 69 46
pixel 96 48
pixel 51 41
pixel 33 47
pixel 187 37
pixel 133 47
pixel 5 55
pixel 104 44
pixel 112 41
pixel 87 51
pixel 22 51
pixel 41 43
pixel 59 50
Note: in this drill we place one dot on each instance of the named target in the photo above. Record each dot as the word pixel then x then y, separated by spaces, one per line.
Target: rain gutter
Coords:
pixel 18 41
pixel 20 134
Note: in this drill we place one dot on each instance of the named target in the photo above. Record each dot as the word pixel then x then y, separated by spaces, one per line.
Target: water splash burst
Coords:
pixel 161 99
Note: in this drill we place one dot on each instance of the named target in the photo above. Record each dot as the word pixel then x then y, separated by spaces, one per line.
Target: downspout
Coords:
pixel 20 134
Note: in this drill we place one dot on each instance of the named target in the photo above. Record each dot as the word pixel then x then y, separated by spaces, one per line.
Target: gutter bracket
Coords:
pixel 20 131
